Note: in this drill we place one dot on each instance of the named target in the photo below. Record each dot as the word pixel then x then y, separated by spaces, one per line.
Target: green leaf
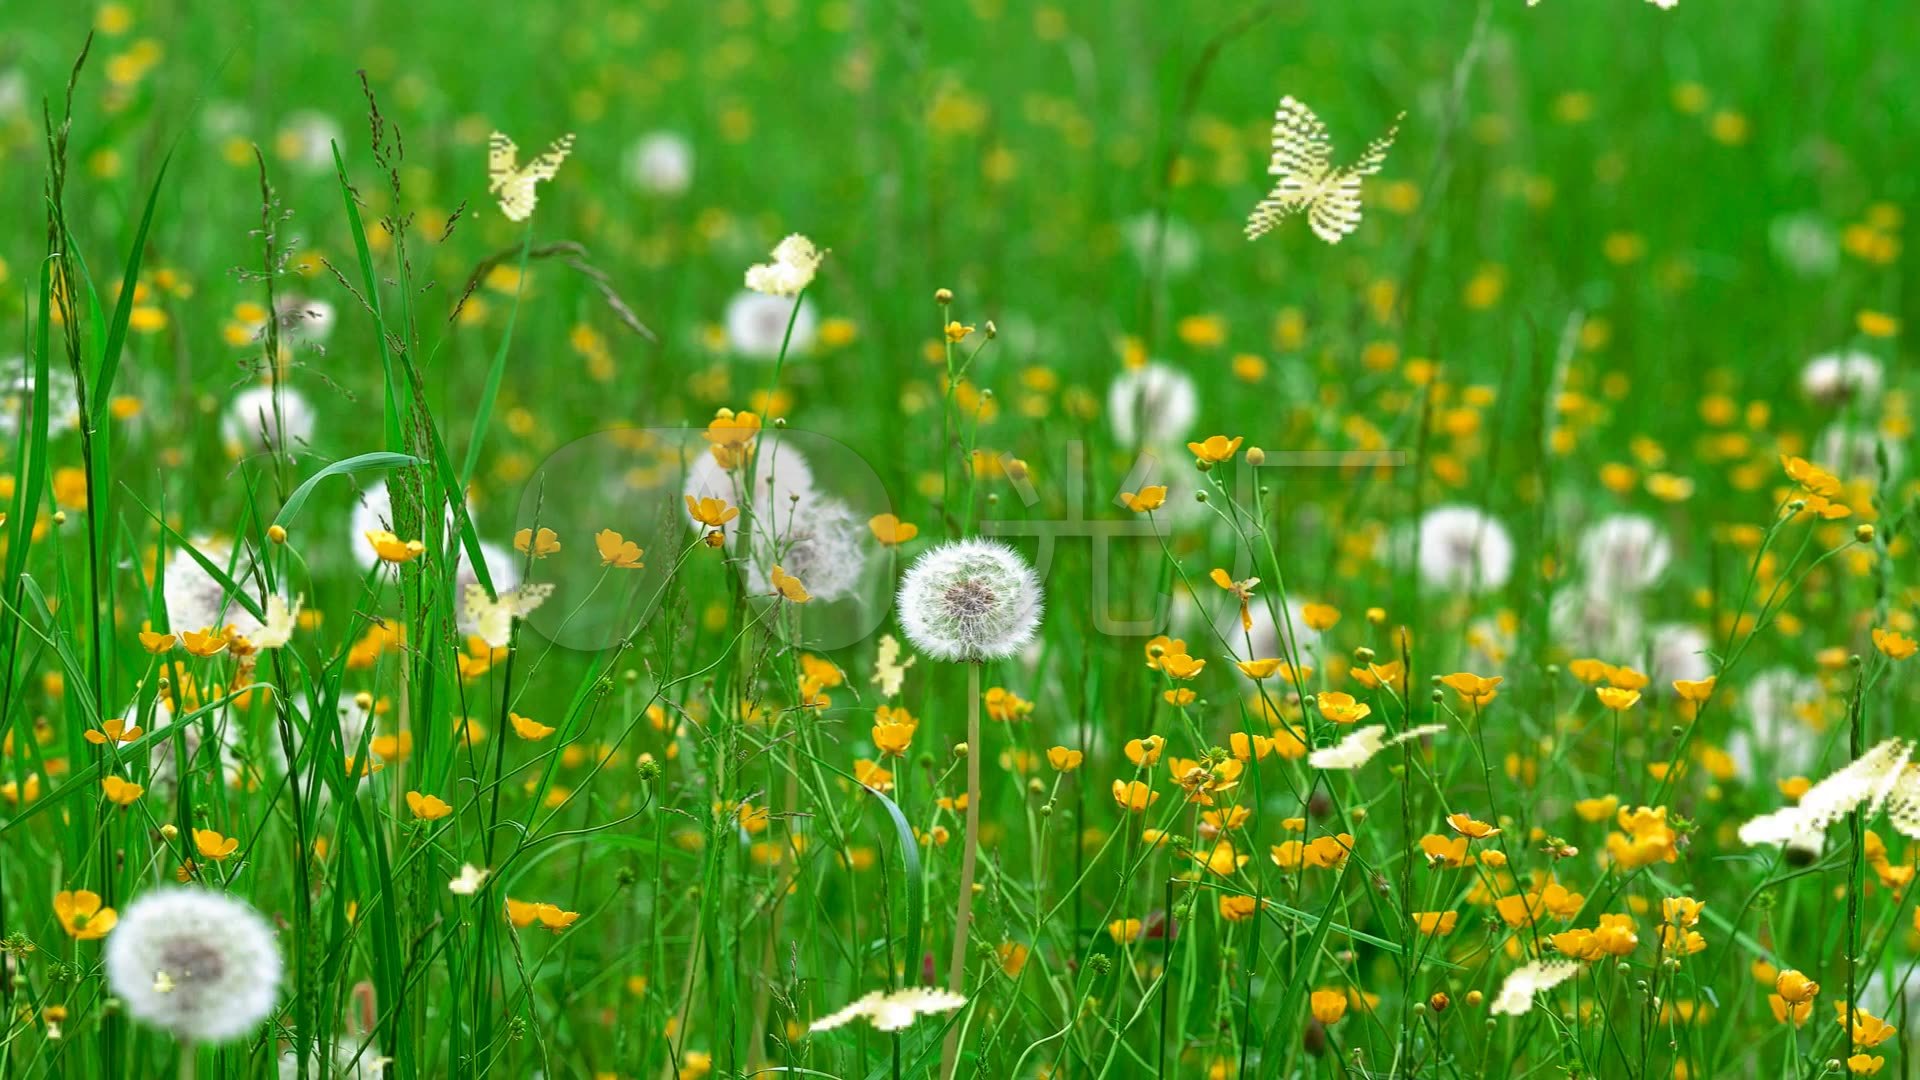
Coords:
pixel 916 880
pixel 377 460
pixel 123 309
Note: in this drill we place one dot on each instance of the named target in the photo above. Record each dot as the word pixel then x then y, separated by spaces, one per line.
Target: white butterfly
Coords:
pixel 893 1011
pixel 1516 993
pixel 512 183
pixel 1881 776
pixel 1303 162
pixel 492 620
pixel 1358 748
pixel 470 879
pixel 280 623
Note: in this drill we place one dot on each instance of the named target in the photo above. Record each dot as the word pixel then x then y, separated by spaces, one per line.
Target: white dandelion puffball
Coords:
pixel 16 398
pixel 757 324
pixel 253 425
pixel 660 163
pixel 306 139
pixel 1461 548
pixel 195 599
pixel 1292 640
pixel 163 777
pixel 1805 243
pixel 1179 245
pixel 1784 713
pixel 795 261
pixel 1151 405
pixel 1854 453
pixel 306 320
pixel 1624 553
pixel 1837 378
pixel 821 541
pixel 970 600
pixel 1595 622
pixel 13 92
pixel 782 484
pixel 197 963
pixel 1678 651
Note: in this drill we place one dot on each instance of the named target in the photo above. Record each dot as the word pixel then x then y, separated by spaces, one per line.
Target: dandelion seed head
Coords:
pixel 660 163
pixel 1152 405
pixel 1677 651
pixel 1462 548
pixel 253 424
pixel 1854 452
pixel 218 955
pixel 820 540
pixel 970 600
pixel 196 599
pixel 1782 707
pixel 306 140
pixel 1805 243
pixel 757 323
pixel 16 398
pixel 1624 553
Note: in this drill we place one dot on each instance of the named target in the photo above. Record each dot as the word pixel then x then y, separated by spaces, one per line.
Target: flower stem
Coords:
pixel 957 966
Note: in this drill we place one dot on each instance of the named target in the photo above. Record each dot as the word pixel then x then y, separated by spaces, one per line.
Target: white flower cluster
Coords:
pixel 795 261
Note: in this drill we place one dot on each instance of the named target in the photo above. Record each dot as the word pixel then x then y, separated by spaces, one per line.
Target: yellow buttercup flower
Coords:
pixel 205 642
pixel 1133 795
pixel 789 587
pixel 121 792
pixel 528 729
pixel 1181 666
pixel 1475 689
pixel 1615 698
pixel 1215 449
pixel 391 548
pixel 1696 692
pixel 112 731
pixel 427 807
pixel 617 551
pixel 1893 644
pixel 711 512
pixel 539 545
pixel 157 644
pixel 1152 497
pixel 214 846
pixel 1466 826
pixel 1063 759
pixel 891 531
pixel 1341 708
pixel 82 916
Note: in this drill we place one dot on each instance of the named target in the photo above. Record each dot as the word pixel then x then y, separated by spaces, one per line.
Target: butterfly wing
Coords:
pixel 527 597
pixel 502 161
pixel 492 620
pixel 548 163
pixel 1375 155
pixel 1335 212
pixel 514 186
pixel 1301 149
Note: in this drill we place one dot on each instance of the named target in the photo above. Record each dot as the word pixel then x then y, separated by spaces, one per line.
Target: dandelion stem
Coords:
pixel 957 965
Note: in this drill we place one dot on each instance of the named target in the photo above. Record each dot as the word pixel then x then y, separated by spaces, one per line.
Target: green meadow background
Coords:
pixel 1606 241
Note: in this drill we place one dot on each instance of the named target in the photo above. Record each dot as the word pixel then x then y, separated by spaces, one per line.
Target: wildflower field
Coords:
pixel 1000 538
